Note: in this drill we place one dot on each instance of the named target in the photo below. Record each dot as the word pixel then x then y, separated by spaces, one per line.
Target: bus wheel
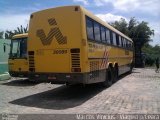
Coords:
pixel 115 74
pixel 109 77
pixel 33 80
pixel 131 68
pixel 68 84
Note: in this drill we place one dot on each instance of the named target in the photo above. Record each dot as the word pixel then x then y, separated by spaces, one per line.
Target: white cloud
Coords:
pixel 156 27
pixel 110 17
pixel 149 6
pixel 11 22
pixel 99 2
pixel 126 5
pixel 85 2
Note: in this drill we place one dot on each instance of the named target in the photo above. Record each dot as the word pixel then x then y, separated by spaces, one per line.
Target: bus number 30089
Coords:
pixel 60 52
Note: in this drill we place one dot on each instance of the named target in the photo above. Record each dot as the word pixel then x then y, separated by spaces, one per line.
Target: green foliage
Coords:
pixel 151 53
pixel 9 34
pixel 141 34
pixel 20 30
pixel 1 34
pixel 121 25
pixel 137 31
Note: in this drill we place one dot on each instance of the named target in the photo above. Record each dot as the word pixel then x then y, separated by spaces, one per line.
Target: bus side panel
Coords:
pixel 99 55
pixel 125 60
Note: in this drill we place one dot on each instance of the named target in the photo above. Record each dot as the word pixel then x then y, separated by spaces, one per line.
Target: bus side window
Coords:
pixel 132 46
pixel 124 42
pixel 108 38
pixel 114 38
pixel 97 31
pixel 111 37
pixel 103 34
pixel 129 45
pixel 120 41
pixel 89 25
pixel 117 39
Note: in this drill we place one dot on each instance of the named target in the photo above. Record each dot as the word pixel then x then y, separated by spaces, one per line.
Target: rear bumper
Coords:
pixel 58 78
pixel 18 74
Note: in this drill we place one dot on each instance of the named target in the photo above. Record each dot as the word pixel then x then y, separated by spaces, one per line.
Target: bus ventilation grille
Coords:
pixel 94 65
pixel 94 69
pixel 31 61
pixel 75 56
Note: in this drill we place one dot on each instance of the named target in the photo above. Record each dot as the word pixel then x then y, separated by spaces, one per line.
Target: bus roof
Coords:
pixel 20 36
pixel 91 15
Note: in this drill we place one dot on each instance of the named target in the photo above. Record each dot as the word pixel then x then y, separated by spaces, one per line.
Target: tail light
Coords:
pixel 76 69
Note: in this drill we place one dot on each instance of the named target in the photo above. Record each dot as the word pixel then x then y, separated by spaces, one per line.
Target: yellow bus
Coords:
pixel 70 45
pixel 17 62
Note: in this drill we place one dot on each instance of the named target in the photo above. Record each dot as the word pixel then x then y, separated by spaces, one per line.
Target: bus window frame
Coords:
pixel 123 39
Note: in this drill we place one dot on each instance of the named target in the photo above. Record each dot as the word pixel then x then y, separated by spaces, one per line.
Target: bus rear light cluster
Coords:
pixel 36 75
pixel 31 61
pixel 53 77
pixel 76 69
pixel 75 60
pixel 75 50
pixel 68 76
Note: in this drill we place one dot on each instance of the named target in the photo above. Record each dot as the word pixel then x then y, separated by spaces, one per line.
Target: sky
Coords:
pixel 16 12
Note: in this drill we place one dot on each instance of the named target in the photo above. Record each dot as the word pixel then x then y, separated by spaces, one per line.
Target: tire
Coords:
pixel 68 85
pixel 131 68
pixel 115 74
pixel 33 80
pixel 109 77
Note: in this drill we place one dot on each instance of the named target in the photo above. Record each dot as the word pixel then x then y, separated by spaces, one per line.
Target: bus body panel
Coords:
pixel 85 61
pixel 54 56
pixel 18 66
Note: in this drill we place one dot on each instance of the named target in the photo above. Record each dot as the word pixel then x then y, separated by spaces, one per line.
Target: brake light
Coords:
pixel 76 69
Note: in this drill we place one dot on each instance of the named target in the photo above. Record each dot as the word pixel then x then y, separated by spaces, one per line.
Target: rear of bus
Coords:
pixel 55 48
pixel 17 62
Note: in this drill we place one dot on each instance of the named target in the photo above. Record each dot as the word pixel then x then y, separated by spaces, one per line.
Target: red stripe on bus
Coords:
pixel 105 60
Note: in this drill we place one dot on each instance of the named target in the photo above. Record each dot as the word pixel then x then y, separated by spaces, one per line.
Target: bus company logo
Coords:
pixel 54 32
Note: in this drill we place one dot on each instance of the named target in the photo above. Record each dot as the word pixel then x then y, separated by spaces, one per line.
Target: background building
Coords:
pixel 4 56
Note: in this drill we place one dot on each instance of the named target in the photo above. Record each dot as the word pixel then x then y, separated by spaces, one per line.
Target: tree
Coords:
pixel 152 52
pixel 8 34
pixel 137 31
pixel 121 25
pixel 20 30
pixel 1 34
